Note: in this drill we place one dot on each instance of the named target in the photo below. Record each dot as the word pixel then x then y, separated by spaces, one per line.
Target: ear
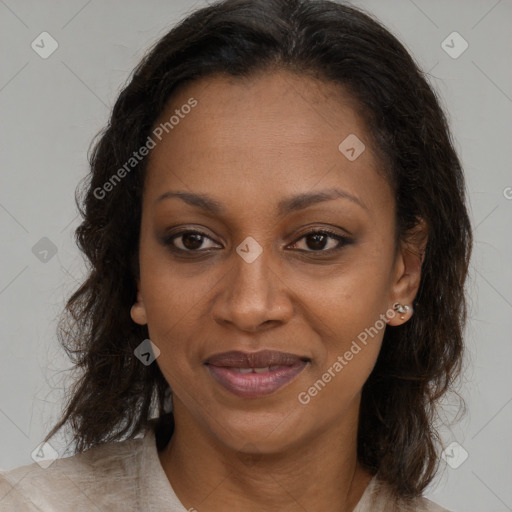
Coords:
pixel 138 310
pixel 407 272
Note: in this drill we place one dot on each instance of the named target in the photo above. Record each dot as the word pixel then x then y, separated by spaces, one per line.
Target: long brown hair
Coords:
pixel 114 395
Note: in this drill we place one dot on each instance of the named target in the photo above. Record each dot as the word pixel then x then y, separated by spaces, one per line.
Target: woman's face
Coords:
pixel 234 258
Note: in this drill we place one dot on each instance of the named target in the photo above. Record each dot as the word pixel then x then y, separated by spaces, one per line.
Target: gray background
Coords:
pixel 51 109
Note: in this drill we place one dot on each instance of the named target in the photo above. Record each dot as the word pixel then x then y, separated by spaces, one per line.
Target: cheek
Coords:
pixel 174 320
pixel 351 325
pixel 348 300
pixel 170 305
pixel 171 297
pixel 348 310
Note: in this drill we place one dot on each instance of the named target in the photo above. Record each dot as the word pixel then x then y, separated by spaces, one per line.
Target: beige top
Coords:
pixel 126 476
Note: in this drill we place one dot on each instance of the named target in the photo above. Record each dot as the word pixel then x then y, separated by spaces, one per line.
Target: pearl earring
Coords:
pixel 401 308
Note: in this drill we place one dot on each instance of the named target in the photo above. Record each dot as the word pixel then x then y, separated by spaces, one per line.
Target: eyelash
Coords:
pixel 341 239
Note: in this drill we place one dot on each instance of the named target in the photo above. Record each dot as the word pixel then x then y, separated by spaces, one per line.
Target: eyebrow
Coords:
pixel 284 207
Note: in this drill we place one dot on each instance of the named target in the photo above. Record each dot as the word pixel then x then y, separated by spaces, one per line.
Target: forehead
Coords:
pixel 265 133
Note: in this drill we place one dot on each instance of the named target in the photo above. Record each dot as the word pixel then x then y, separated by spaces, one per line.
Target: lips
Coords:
pixel 262 359
pixel 257 374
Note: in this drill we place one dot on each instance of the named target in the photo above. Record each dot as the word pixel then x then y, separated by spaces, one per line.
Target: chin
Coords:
pixel 259 432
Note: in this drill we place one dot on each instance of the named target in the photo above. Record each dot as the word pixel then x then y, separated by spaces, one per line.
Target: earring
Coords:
pixel 401 308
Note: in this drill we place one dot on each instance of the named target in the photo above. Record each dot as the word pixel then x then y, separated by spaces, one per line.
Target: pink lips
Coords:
pixel 251 375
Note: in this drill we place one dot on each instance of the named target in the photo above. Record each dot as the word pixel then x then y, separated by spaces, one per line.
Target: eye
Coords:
pixel 321 241
pixel 190 241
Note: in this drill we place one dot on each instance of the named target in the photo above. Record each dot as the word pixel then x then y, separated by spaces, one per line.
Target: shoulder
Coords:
pixel 94 477
pixel 379 498
pixel 426 505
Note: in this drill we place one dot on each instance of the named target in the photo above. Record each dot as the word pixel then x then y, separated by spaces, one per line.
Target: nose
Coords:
pixel 253 297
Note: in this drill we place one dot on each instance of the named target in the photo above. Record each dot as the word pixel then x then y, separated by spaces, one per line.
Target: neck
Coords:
pixel 322 473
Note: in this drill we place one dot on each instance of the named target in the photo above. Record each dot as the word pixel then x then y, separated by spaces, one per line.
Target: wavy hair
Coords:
pixel 114 397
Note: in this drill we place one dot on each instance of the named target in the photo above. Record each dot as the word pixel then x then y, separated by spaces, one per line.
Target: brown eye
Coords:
pixel 190 241
pixel 316 242
pixel 321 241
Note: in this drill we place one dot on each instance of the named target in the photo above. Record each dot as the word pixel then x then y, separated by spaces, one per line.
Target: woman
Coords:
pixel 278 244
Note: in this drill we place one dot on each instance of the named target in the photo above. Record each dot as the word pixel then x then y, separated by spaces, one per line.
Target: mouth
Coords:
pixel 252 375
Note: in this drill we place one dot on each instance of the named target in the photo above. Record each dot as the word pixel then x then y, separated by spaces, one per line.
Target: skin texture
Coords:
pixel 249 144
